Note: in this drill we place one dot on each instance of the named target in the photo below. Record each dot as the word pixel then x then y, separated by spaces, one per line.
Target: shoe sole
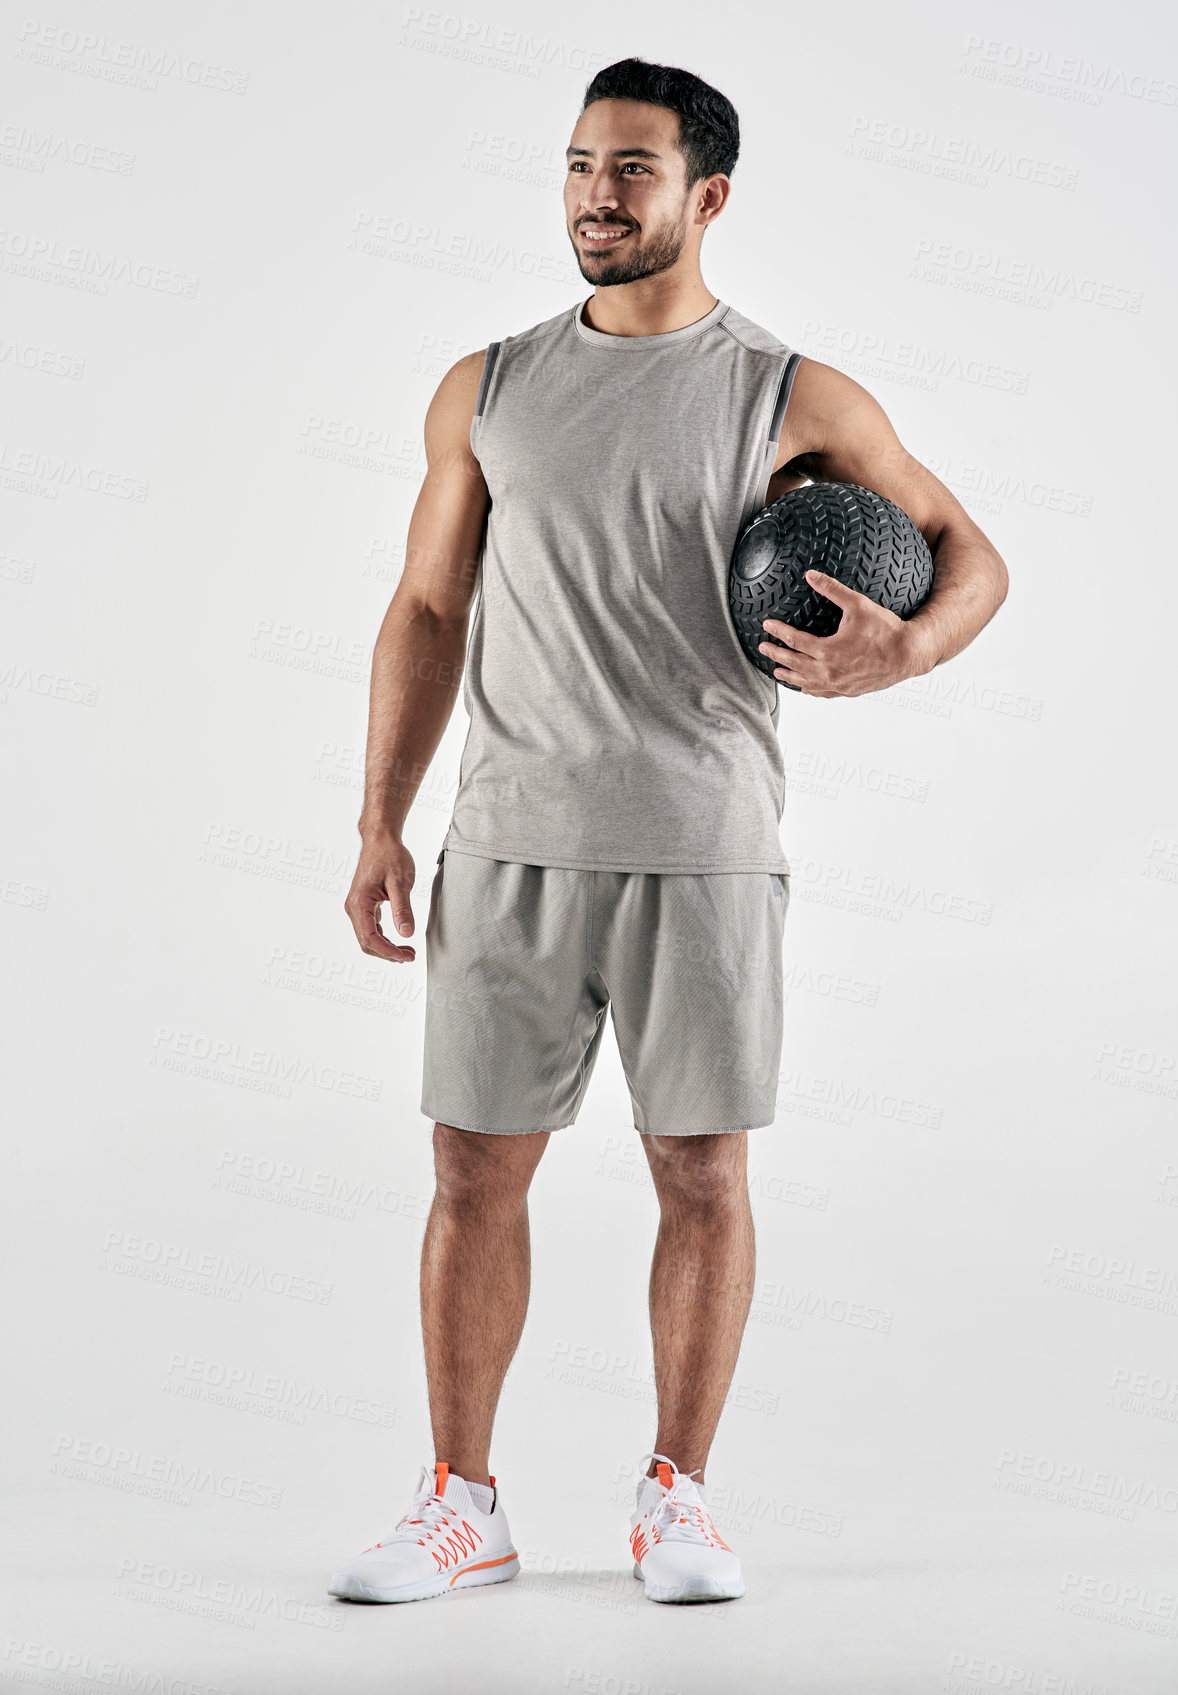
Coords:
pixel 693 1589
pixel 499 1570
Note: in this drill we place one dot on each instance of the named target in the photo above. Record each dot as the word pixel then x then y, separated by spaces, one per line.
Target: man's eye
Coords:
pixel 580 164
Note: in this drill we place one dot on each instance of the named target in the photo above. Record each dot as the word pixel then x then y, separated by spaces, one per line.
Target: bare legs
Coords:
pixel 475 1279
pixel 476 1275
pixel 701 1285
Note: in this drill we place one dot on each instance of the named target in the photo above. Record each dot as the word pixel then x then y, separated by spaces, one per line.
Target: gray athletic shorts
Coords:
pixel 523 960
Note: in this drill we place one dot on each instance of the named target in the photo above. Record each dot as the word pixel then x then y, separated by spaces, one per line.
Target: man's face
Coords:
pixel 625 195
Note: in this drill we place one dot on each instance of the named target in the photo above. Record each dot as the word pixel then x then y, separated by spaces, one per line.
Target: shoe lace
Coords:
pixel 426 1513
pixel 678 1517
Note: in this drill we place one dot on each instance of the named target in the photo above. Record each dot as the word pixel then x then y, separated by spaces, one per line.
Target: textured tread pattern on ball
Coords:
pixel 848 532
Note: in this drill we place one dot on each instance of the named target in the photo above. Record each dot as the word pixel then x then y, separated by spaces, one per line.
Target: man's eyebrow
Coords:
pixel 618 153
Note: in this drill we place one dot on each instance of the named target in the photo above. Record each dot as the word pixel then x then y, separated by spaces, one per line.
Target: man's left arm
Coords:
pixel 837 432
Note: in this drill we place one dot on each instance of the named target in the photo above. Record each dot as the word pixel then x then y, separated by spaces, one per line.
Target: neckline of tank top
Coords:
pixel 634 343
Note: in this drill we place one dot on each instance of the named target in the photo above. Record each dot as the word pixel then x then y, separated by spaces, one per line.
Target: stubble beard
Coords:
pixel 659 253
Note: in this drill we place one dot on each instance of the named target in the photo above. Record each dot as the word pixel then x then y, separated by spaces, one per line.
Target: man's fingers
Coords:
pixel 831 589
pixel 371 939
pixel 796 666
pixel 800 641
pixel 363 908
pixel 401 911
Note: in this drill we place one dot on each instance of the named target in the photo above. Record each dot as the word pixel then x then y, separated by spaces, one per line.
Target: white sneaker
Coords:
pixel 443 1542
pixel 678 1552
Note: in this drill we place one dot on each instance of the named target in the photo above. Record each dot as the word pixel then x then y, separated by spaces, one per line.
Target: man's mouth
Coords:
pixel 604 235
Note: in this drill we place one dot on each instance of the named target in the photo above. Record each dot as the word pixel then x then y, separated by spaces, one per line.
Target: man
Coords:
pixel 614 839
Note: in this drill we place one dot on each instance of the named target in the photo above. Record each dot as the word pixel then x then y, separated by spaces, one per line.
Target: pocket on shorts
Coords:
pixel 435 890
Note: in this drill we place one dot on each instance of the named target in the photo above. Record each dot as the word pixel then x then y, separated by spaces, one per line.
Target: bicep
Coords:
pixel 840 433
pixel 446 527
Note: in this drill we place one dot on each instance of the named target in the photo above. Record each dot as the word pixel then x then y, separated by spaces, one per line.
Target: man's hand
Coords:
pixel 871 649
pixel 385 872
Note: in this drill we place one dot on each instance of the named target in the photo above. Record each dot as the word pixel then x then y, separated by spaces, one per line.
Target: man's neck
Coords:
pixel 634 309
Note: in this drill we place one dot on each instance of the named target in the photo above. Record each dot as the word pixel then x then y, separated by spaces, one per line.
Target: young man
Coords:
pixel 614 839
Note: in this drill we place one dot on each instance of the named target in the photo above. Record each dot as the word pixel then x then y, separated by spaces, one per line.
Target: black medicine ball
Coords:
pixel 852 533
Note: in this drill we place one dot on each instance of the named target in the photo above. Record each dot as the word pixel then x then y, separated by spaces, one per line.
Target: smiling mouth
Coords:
pixel 603 235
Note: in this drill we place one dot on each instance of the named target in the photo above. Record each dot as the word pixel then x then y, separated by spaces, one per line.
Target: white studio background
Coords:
pixel 240 247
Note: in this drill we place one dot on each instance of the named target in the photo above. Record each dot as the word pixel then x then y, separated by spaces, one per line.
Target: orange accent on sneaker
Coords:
pixel 492 1481
pixel 459 1545
pixel 638 1543
pixel 664 1476
pixel 442 1472
pixel 482 1566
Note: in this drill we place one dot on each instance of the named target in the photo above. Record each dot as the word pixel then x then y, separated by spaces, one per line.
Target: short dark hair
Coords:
pixel 709 129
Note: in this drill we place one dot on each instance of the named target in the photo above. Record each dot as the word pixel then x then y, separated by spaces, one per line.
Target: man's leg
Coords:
pixel 701 1285
pixel 475 1278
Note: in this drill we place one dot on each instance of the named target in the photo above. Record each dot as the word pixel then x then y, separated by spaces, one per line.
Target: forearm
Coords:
pixel 416 673
pixel 969 585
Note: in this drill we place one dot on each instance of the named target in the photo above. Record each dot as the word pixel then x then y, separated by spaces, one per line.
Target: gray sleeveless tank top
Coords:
pixel 615 722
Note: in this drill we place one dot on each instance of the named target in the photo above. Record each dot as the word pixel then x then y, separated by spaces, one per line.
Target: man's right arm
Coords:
pixel 418 658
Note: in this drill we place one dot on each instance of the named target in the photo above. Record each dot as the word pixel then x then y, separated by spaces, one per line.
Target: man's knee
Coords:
pixel 700 1171
pixel 474 1166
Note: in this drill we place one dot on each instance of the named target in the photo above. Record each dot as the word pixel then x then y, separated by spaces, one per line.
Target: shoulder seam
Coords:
pixel 763 352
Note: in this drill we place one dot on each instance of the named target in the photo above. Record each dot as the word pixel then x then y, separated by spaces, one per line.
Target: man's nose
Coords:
pixel 597 194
